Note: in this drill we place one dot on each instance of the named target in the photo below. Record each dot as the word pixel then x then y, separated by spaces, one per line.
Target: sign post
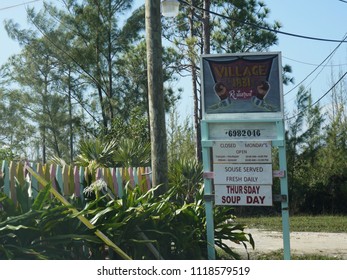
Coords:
pixel 242 121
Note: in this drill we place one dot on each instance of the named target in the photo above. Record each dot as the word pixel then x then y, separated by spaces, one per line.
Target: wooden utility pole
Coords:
pixel 206 35
pixel 206 26
pixel 156 95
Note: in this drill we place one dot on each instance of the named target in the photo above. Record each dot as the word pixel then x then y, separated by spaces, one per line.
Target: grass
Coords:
pixel 298 223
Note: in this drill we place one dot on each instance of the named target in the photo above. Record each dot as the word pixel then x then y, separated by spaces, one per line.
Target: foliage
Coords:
pixel 133 75
pixel 47 230
pixel 6 154
pixel 96 153
pixel 14 126
pixel 45 198
pixel 304 140
pixel 142 224
pixel 186 176
pixel 176 230
pixel 234 26
pixel 181 138
pixel 80 70
pixel 126 153
pixel 35 72
pixel 134 126
pixel 131 138
pixel 132 153
pixel 315 156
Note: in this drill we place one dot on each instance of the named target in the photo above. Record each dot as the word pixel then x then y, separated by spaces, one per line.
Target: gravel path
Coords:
pixel 323 243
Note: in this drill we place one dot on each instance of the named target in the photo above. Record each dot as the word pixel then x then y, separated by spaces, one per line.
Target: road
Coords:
pixel 318 243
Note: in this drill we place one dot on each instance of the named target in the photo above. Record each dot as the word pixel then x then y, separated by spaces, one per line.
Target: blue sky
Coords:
pixel 314 18
pixel 10 10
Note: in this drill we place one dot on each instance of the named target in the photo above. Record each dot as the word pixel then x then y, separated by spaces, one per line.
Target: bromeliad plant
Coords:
pixel 164 227
pixel 139 225
pixel 51 229
pixel 47 231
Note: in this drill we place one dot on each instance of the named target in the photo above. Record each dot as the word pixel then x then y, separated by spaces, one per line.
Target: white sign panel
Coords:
pixel 243 131
pixel 243 195
pixel 241 152
pixel 242 174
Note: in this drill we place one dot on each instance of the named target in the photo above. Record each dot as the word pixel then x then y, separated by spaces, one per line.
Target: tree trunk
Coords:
pixel 195 93
pixel 156 96
pixel 71 134
pixel 43 135
pixel 109 63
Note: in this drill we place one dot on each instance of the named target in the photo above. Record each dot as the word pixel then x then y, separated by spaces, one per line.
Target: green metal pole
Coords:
pixel 284 192
pixel 208 194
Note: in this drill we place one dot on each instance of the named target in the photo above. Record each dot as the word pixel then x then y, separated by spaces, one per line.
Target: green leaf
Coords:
pixel 42 198
pixel 10 227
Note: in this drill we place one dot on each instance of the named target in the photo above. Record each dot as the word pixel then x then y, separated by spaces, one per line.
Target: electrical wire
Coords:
pixel 313 64
pixel 22 4
pixel 289 34
pixel 319 99
pixel 326 59
pixel 263 27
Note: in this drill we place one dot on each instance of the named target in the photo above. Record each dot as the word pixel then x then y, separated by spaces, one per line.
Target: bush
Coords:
pixel 144 226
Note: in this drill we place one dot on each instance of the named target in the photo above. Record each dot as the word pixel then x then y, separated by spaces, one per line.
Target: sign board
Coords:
pixel 243 174
pixel 243 195
pixel 242 102
pixel 241 152
pixel 243 131
pixel 242 83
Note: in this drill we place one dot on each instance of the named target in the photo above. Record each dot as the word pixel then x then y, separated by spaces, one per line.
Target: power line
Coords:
pixel 22 4
pixel 326 59
pixel 288 34
pixel 313 64
pixel 319 99
pixel 263 27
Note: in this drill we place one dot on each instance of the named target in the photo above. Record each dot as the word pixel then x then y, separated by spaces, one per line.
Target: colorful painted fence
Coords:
pixel 71 180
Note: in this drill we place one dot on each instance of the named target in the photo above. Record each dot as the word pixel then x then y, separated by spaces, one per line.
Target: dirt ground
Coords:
pixel 318 243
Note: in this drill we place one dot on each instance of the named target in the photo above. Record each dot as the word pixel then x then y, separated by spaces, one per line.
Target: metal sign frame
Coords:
pixel 239 83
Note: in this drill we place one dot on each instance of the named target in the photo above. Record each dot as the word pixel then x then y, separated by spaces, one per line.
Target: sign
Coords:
pixel 241 152
pixel 242 83
pixel 243 195
pixel 225 174
pixel 243 131
pixel 242 104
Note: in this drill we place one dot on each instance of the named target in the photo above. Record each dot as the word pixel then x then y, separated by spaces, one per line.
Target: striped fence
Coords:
pixel 70 180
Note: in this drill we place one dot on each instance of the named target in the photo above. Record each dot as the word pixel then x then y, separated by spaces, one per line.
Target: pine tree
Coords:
pixel 234 26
